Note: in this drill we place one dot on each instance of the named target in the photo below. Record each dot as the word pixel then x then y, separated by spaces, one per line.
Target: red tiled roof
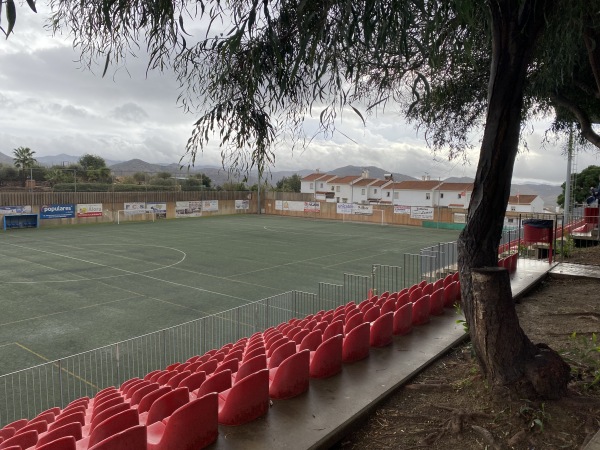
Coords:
pixel 344 180
pixel 522 199
pixel 364 182
pixel 458 187
pixel 315 176
pixel 417 185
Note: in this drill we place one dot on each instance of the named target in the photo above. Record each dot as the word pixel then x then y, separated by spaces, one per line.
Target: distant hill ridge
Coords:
pixel 219 176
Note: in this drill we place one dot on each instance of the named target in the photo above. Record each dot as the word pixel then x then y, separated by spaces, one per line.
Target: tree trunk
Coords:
pixel 506 355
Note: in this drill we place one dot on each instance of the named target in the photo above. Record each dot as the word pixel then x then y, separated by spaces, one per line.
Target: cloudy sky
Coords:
pixel 50 104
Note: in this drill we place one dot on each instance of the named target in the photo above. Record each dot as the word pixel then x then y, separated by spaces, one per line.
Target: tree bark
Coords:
pixel 504 352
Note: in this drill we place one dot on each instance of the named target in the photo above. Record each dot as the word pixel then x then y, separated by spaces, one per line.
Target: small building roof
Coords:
pixel 458 187
pixel 316 176
pixel 344 180
pixel 522 199
pixel 417 185
pixel 365 182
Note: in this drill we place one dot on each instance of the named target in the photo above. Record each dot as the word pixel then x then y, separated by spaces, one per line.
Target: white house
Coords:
pixel 316 184
pixel 342 188
pixel 453 195
pixel 411 192
pixel 368 190
pixel 525 203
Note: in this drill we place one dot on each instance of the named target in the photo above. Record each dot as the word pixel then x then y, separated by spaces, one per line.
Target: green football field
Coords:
pixel 70 289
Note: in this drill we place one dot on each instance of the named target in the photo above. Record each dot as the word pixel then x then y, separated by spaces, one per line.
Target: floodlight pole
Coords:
pixel 258 198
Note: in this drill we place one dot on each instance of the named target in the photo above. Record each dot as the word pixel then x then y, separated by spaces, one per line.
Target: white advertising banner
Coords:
pixel 312 207
pixel 245 204
pixel 278 205
pixel 293 206
pixel 401 209
pixel 188 209
pixel 210 205
pixel 421 212
pixel 89 209
pixel 365 210
pixel 132 208
pixel 344 208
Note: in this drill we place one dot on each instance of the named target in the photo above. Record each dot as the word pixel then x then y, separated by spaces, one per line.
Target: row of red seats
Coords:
pixel 180 406
pixel 509 262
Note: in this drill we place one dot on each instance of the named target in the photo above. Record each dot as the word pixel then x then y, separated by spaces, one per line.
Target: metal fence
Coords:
pixel 28 392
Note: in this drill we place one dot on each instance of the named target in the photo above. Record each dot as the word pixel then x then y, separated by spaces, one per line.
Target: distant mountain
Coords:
pixel 64 160
pixel 459 180
pixel 6 160
pixel 374 172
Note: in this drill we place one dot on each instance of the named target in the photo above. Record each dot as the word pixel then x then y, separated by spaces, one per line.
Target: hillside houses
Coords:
pixel 426 192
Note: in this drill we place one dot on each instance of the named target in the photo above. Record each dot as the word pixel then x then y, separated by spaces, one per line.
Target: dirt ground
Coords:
pixel 450 406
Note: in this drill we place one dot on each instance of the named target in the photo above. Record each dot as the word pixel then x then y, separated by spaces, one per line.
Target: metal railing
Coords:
pixel 28 392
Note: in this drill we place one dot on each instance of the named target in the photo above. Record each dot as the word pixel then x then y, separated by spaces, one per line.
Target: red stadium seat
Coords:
pixel 416 294
pixel 208 367
pixel 193 381
pixel 246 400
pixel 63 419
pixel 326 361
pixel 165 405
pixel 183 429
pixel 249 367
pixel 63 443
pixel 402 300
pixel 217 382
pixel 290 379
pixel 388 306
pixel 231 365
pixel 356 345
pixel 69 430
pixel 449 295
pixel 281 353
pixel 133 438
pixel 403 319
pixel 311 341
pixel 334 328
pixel 24 439
pixel 114 424
pixel 420 310
pixel 371 314
pixel 436 302
pixel 140 393
pixel 381 330
pixel 147 400
pixel 352 323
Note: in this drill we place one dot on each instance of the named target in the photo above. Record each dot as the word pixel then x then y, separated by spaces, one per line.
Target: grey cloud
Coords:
pixel 129 112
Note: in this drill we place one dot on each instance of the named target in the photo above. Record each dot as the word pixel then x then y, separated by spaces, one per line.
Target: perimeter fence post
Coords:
pixel 62 400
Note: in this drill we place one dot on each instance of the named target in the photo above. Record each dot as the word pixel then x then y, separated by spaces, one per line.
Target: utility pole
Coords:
pixel 567 196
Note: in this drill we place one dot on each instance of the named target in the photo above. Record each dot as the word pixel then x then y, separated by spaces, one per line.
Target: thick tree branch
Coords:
pixel 582 117
pixel 592 44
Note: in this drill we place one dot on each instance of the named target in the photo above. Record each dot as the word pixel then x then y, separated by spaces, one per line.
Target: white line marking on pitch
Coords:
pixel 128 272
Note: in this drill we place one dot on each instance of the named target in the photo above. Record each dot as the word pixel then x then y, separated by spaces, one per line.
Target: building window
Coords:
pixel 459 196
pixel 442 195
pixel 337 189
pixel 374 191
pixel 362 192
pixel 511 220
pixel 321 185
pixel 388 194
pixel 312 186
pixel 332 188
pixel 344 200
pixel 427 196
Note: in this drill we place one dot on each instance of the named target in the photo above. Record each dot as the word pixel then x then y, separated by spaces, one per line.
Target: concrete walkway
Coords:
pixel 323 415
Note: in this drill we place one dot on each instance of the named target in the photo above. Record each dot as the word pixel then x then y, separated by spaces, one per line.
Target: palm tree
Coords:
pixel 23 159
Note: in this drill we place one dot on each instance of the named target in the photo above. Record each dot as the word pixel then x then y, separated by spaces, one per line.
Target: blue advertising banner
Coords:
pixel 57 211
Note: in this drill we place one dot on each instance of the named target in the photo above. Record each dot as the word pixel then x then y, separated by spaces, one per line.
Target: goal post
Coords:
pixel 135 215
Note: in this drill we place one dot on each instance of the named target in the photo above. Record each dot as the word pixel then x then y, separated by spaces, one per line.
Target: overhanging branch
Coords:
pixel 582 117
